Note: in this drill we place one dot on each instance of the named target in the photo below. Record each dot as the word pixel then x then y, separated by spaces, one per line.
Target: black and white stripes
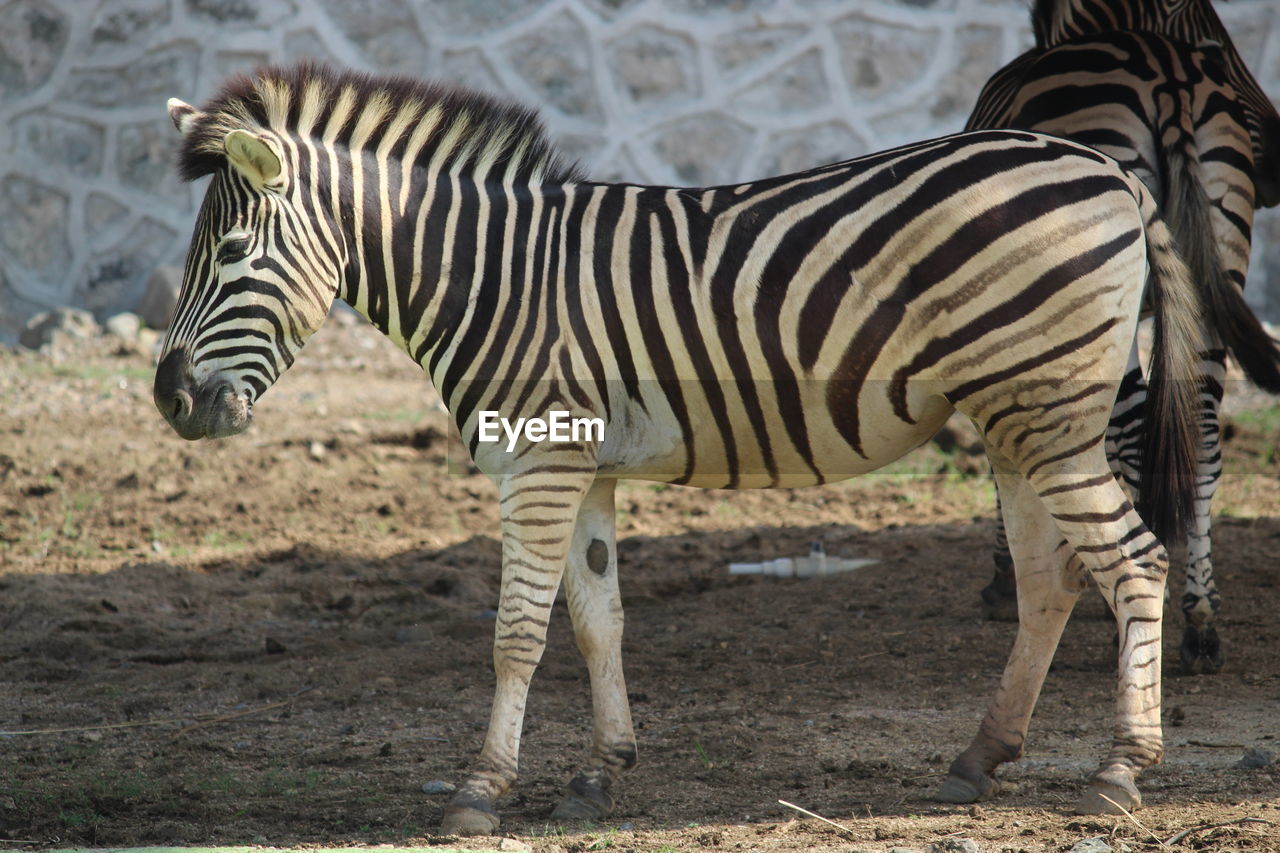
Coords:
pixel 1160 87
pixel 794 330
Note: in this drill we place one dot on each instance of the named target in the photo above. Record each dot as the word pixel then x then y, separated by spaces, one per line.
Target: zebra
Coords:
pixel 790 331
pixel 1160 87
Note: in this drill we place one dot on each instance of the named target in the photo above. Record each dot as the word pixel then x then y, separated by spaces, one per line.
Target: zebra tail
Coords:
pixel 1228 316
pixel 1166 496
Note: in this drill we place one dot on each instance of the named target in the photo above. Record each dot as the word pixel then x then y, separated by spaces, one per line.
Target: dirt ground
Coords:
pixel 280 638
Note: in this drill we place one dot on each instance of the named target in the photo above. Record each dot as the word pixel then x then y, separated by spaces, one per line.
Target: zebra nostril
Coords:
pixel 183 404
pixel 173 387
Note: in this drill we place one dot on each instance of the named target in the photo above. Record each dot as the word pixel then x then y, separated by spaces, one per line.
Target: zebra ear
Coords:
pixel 183 115
pixel 252 156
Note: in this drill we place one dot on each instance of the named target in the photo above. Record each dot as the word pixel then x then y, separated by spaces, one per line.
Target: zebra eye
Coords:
pixel 233 249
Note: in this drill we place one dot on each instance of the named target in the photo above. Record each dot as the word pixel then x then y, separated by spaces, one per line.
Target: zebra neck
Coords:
pixel 450 262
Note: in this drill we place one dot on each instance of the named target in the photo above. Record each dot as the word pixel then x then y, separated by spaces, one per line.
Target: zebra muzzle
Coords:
pixel 197 410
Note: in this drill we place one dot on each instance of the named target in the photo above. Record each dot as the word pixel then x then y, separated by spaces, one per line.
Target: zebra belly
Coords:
pixel 767 452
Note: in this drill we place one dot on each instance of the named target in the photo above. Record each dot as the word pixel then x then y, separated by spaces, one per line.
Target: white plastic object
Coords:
pixel 814 564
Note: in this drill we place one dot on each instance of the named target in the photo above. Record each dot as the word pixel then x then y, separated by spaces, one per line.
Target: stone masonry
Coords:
pixel 656 91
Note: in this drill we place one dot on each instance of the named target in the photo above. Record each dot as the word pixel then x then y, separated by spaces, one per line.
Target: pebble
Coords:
pixel 513 844
pixel 125 326
pixel 49 327
pixel 1255 759
pixel 438 786
pixel 953 845
pixel 1091 845
pixel 905 850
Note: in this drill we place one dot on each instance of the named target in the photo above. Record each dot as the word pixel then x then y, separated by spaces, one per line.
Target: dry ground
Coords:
pixel 280 638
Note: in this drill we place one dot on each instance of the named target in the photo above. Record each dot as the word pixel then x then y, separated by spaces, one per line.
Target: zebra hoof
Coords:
pixel 469 820
pixel 1000 599
pixel 586 800
pixel 958 789
pixel 1201 652
pixel 1110 793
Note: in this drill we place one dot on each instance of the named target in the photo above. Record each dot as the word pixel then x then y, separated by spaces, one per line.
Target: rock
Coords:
pixel 905 850
pixel 150 75
pixel 555 60
pixel 516 845
pixel 882 58
pixel 124 326
pixel 161 297
pixel 653 65
pixel 438 786
pixel 384 31
pixel 61 323
pixel 70 144
pixel 952 845
pixel 798 85
pixel 128 21
pixel 751 45
pixel 1255 759
pixel 35 217
pixel 33 37
pixel 1091 845
pixel 792 150
pixel 703 149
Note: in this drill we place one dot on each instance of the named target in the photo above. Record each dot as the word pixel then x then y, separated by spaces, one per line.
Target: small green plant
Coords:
pixel 605 841
pixel 702 754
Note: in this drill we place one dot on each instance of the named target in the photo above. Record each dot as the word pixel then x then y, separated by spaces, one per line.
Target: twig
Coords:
pixel 1136 822
pixel 228 717
pixel 1181 835
pixel 1208 745
pixel 103 727
pixel 846 830
pixel 17 841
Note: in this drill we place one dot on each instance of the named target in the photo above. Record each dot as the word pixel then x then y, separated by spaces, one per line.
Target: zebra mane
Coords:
pixel 301 100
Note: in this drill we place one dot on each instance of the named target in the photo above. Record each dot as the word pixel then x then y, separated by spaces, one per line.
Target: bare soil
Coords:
pixel 279 638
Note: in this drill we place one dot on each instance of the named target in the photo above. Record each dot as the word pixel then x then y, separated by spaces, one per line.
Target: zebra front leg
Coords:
pixel 1049 581
pixel 1201 652
pixel 591 586
pixel 538 506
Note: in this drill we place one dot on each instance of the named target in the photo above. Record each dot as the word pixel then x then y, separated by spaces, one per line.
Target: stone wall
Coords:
pixel 671 91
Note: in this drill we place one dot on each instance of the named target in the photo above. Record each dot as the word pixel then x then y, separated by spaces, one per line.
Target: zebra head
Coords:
pixel 258 281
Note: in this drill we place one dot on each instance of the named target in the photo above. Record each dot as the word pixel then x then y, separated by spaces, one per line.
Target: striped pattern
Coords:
pixel 1186 120
pixel 790 331
pixel 1195 24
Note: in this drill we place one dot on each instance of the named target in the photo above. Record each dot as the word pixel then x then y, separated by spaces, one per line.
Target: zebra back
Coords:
pixel 1195 23
pixel 1105 90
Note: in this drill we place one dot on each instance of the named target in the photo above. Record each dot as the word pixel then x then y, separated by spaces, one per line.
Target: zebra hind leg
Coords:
pixel 1000 596
pixel 1201 651
pixel 1049 580
pixel 591 587
pixel 1130 567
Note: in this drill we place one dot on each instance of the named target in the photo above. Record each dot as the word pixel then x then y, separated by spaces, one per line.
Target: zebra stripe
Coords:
pixel 1171 114
pixel 794 330
pixel 1196 24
